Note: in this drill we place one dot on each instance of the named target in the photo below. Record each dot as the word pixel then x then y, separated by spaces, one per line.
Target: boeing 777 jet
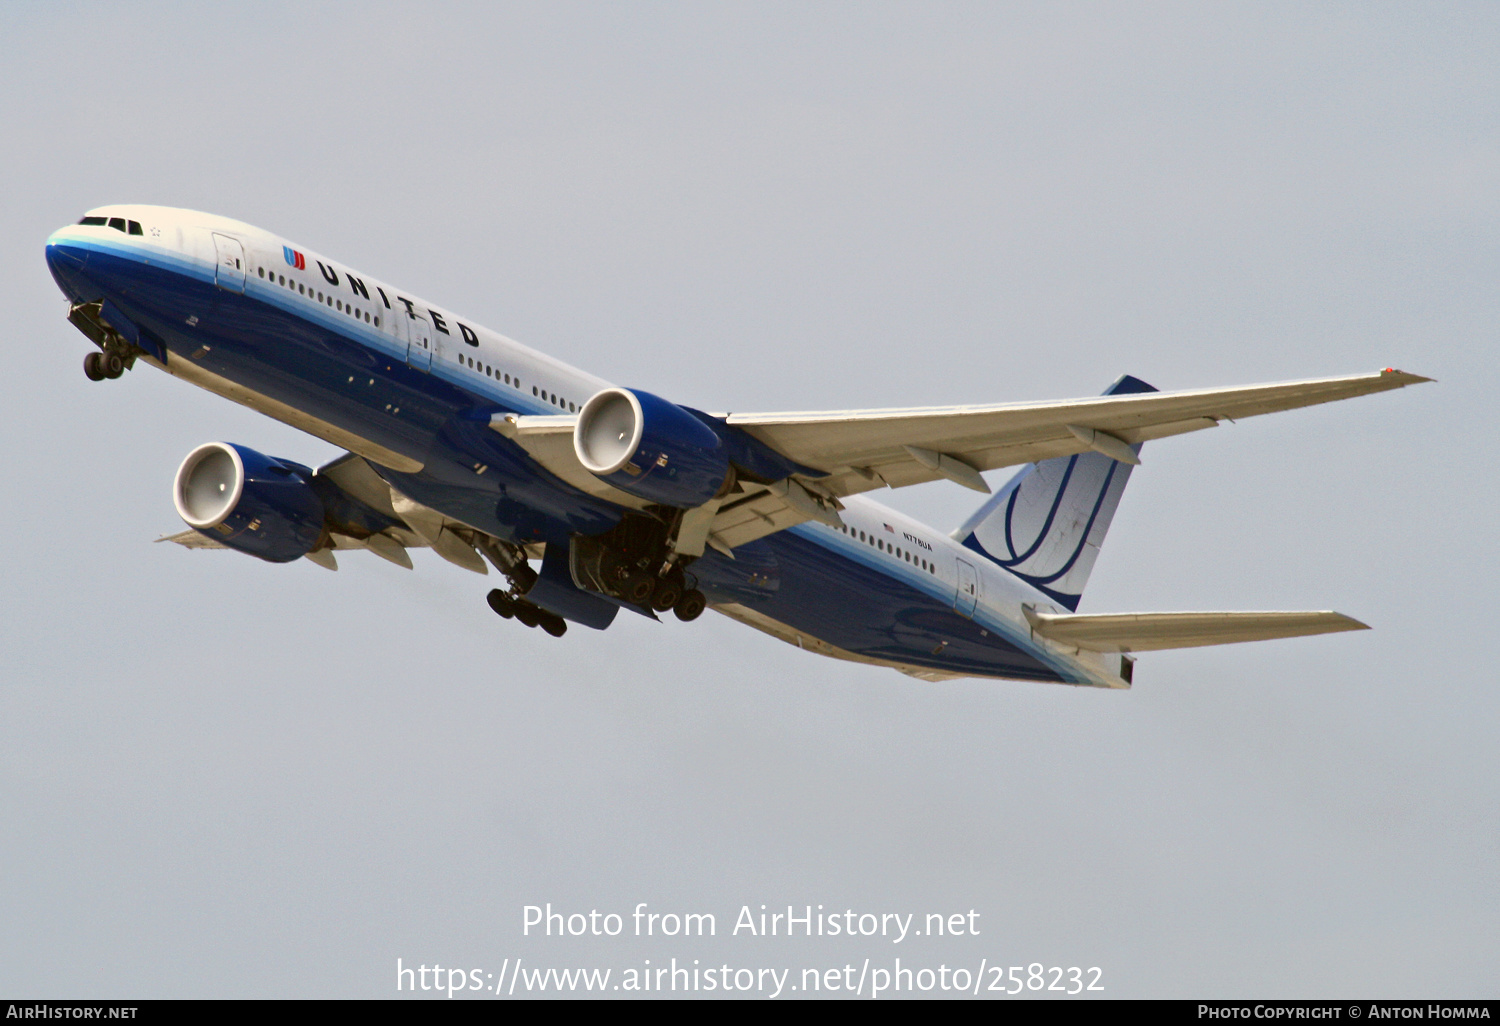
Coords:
pixel 589 498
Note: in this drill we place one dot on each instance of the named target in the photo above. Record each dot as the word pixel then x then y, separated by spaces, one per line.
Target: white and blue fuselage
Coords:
pixel 413 388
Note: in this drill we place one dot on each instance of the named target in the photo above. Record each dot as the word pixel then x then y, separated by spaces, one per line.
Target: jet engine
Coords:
pixel 249 502
pixel 653 449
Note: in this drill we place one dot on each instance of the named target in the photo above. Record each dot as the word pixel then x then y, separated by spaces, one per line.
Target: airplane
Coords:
pixel 589 498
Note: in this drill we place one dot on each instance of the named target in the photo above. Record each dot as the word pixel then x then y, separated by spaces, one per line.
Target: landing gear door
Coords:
pixel 418 342
pixel 229 269
pixel 968 589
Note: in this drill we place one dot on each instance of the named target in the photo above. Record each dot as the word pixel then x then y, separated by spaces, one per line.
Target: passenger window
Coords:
pixel 135 228
pixel 299 288
pixel 261 271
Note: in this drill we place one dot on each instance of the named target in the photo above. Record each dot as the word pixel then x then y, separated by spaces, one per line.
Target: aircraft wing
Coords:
pixel 860 450
pixel 1148 632
pixel 990 437
pixel 866 449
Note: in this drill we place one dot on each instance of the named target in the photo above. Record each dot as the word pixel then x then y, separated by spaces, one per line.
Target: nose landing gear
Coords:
pixel 108 364
pixel 116 355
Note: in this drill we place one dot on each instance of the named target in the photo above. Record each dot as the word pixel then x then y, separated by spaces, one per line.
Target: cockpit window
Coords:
pixel 119 224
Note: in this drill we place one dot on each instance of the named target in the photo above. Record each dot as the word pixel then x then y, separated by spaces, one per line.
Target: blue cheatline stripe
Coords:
pixel 312 312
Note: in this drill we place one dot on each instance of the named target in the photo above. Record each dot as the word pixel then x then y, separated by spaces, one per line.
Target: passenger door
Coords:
pixel 418 342
pixel 967 596
pixel 229 263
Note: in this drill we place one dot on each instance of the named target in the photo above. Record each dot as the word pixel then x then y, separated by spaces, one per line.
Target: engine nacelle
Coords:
pixel 653 449
pixel 249 502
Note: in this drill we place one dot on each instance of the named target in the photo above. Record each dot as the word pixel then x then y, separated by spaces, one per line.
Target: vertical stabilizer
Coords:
pixel 1047 523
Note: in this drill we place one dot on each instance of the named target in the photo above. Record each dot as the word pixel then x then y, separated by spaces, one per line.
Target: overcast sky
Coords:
pixel 220 777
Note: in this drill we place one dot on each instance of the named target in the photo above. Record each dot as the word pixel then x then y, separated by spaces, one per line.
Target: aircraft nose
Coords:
pixel 66 259
pixel 65 255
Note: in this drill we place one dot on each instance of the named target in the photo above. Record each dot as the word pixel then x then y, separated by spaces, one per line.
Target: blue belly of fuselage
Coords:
pixel 820 584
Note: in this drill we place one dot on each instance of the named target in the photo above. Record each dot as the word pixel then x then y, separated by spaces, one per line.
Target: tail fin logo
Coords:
pixel 1046 526
pixel 294 258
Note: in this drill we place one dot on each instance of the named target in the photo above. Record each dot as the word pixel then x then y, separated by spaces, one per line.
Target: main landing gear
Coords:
pixel 659 592
pixel 690 606
pixel 686 605
pixel 634 563
pixel 528 613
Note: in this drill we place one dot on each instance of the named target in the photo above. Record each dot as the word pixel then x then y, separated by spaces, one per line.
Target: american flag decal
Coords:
pixel 294 258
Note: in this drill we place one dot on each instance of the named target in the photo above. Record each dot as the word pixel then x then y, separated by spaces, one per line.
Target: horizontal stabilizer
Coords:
pixel 1146 632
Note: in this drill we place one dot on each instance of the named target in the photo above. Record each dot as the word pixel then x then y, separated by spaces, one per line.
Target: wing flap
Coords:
pixel 754 516
pixel 1147 632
